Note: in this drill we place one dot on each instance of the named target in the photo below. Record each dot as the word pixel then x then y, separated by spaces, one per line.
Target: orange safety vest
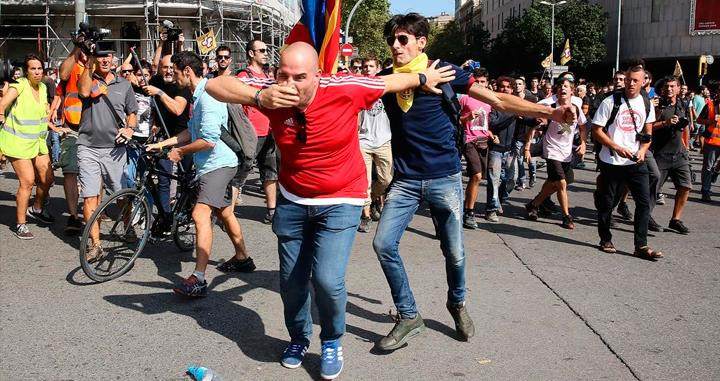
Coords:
pixel 72 105
pixel 713 131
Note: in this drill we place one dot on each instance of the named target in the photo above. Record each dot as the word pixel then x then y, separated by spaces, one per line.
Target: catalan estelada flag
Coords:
pixel 319 26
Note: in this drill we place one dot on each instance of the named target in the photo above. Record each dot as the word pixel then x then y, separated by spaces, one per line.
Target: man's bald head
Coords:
pixel 126 66
pixel 299 69
pixel 166 69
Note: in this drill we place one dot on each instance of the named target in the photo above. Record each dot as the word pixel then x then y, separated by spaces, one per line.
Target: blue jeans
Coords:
pixel 532 167
pixel 710 154
pixel 54 145
pixel 445 198
pixel 501 178
pixel 314 245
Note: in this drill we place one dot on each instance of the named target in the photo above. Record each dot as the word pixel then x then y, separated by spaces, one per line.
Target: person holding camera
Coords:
pixel 625 132
pixel 22 140
pixel 107 122
pixel 671 134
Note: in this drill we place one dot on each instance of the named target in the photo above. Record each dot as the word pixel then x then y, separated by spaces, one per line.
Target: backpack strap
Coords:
pixel 450 98
pixel 248 72
pixel 617 102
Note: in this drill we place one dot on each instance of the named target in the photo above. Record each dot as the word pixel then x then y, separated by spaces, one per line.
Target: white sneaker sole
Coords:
pixel 290 366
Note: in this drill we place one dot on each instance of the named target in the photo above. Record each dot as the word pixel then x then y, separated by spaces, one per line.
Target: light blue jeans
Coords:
pixel 314 245
pixel 445 198
pixel 709 157
pixel 501 178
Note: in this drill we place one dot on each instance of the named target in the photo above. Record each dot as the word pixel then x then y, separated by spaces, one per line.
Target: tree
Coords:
pixel 586 26
pixel 367 25
pixel 453 45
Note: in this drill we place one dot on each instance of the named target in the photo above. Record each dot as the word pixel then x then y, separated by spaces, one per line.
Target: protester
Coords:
pixel 108 120
pixel 223 57
pixel 710 138
pixel 216 165
pixel 322 185
pixel 519 138
pixel 376 150
pixel 135 164
pixel 23 142
pixel 622 161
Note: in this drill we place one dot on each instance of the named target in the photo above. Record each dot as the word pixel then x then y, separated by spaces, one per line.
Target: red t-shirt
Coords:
pixel 329 164
pixel 257 118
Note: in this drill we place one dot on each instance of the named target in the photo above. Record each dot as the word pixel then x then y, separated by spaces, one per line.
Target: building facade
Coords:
pixel 441 20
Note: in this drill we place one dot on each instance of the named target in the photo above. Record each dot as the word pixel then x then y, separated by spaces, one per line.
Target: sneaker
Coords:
pixel 706 197
pixel 22 232
pixel 74 226
pixel 654 226
pixel 375 211
pixel 268 219
pixel 331 360
pixel 469 221
pixel 531 183
pixel 191 287
pixel 492 216
pixel 519 187
pixel 678 226
pixel 364 226
pixel 624 211
pixel 580 165
pixel 660 199
pixel 234 265
pixel 93 253
pixel 532 211
pixel 293 355
pixel 463 324
pixel 567 222
pixel 43 216
pixel 404 330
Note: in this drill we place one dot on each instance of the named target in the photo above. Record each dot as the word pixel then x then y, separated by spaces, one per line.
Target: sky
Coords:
pixel 424 7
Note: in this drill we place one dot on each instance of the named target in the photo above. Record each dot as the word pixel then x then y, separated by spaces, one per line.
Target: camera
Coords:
pixel 173 34
pixel 643 137
pixel 682 123
pixel 87 37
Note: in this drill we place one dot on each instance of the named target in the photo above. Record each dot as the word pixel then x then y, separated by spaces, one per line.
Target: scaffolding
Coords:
pixel 44 26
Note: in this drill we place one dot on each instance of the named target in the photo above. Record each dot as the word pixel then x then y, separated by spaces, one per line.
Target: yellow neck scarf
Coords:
pixel 418 65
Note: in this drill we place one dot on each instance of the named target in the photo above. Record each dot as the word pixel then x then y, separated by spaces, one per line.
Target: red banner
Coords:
pixel 704 17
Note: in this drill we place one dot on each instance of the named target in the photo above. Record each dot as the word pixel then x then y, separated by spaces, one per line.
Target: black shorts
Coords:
pixel 560 170
pixel 476 157
pixel 677 167
pixel 266 159
pixel 215 189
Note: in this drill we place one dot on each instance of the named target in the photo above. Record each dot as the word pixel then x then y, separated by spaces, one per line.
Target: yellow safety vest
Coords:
pixel 23 135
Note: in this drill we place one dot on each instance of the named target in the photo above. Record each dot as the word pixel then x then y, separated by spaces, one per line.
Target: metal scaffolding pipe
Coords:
pixel 79 12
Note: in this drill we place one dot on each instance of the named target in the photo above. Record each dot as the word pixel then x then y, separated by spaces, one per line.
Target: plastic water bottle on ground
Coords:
pixel 201 373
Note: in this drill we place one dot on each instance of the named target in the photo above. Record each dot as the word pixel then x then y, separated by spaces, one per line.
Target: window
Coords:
pixel 656 9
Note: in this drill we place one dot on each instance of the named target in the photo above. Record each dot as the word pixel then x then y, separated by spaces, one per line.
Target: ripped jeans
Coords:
pixel 445 199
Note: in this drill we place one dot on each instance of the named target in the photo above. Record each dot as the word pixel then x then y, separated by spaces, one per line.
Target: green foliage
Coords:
pixel 366 26
pixel 452 45
pixel 586 26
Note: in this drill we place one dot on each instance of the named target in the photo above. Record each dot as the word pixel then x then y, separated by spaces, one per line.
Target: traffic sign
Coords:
pixel 346 50
pixel 710 59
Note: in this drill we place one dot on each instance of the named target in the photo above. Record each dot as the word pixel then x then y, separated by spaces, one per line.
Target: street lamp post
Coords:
pixel 617 51
pixel 350 16
pixel 552 36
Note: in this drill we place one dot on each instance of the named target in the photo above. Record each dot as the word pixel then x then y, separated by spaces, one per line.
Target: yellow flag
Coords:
pixel 547 61
pixel 207 42
pixel 678 70
pixel 566 56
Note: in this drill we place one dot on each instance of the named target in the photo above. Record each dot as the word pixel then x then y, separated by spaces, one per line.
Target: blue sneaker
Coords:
pixel 331 360
pixel 293 355
pixel 191 287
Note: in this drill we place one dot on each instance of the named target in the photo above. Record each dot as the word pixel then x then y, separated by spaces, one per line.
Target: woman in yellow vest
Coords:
pixel 24 116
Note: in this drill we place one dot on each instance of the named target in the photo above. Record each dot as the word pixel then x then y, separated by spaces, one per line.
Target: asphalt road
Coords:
pixel 546 303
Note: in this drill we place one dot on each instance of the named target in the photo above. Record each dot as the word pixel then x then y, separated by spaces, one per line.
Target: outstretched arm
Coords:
pixel 516 105
pixel 395 83
pixel 230 90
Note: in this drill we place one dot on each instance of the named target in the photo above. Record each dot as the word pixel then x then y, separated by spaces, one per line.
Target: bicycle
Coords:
pixel 128 213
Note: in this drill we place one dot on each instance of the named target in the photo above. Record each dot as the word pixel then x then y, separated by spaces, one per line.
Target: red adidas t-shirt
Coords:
pixel 329 164
pixel 257 118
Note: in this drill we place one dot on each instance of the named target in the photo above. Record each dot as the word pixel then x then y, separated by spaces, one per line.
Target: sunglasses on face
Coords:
pixel 223 57
pixel 402 39
pixel 302 132
pixel 126 71
pixel 357 67
pixel 263 50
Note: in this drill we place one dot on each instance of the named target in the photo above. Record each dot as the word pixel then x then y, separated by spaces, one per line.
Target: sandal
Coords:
pixel 608 247
pixel 646 252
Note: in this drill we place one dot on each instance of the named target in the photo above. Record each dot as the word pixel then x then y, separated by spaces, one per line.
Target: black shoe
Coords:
pixel 364 226
pixel 678 226
pixel 568 223
pixel 404 330
pixel 624 211
pixel 43 216
pixel 268 219
pixel 532 211
pixel 463 323
pixel 469 221
pixel 375 211
pixel 531 183
pixel 654 226
pixel 235 265
pixel 74 226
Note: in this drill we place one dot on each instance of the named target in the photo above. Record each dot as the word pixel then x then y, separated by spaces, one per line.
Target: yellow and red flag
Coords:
pixel 319 26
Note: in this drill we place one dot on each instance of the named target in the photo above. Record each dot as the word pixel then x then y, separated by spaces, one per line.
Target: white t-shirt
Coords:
pixel 623 131
pixel 558 139
pixel 375 128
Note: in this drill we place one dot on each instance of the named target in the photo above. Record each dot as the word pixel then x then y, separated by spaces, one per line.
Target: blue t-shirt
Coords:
pixel 424 138
pixel 208 116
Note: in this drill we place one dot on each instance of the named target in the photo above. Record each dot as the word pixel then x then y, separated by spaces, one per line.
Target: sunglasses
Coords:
pixel 126 71
pixel 357 67
pixel 223 57
pixel 302 133
pixel 263 50
pixel 402 39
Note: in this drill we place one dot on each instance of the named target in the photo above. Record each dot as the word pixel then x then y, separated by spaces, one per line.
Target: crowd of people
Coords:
pixel 336 153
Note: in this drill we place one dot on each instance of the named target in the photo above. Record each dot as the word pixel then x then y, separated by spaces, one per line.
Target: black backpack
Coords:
pixel 240 136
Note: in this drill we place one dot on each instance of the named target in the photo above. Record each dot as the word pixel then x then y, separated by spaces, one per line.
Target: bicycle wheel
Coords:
pixel 124 221
pixel 183 226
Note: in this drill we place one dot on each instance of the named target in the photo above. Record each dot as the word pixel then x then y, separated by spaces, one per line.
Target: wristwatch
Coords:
pixel 423 79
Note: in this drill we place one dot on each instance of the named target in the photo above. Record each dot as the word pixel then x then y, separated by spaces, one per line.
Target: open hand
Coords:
pixel 437 76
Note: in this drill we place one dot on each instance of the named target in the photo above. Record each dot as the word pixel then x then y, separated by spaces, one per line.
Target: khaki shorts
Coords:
pixel 68 153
